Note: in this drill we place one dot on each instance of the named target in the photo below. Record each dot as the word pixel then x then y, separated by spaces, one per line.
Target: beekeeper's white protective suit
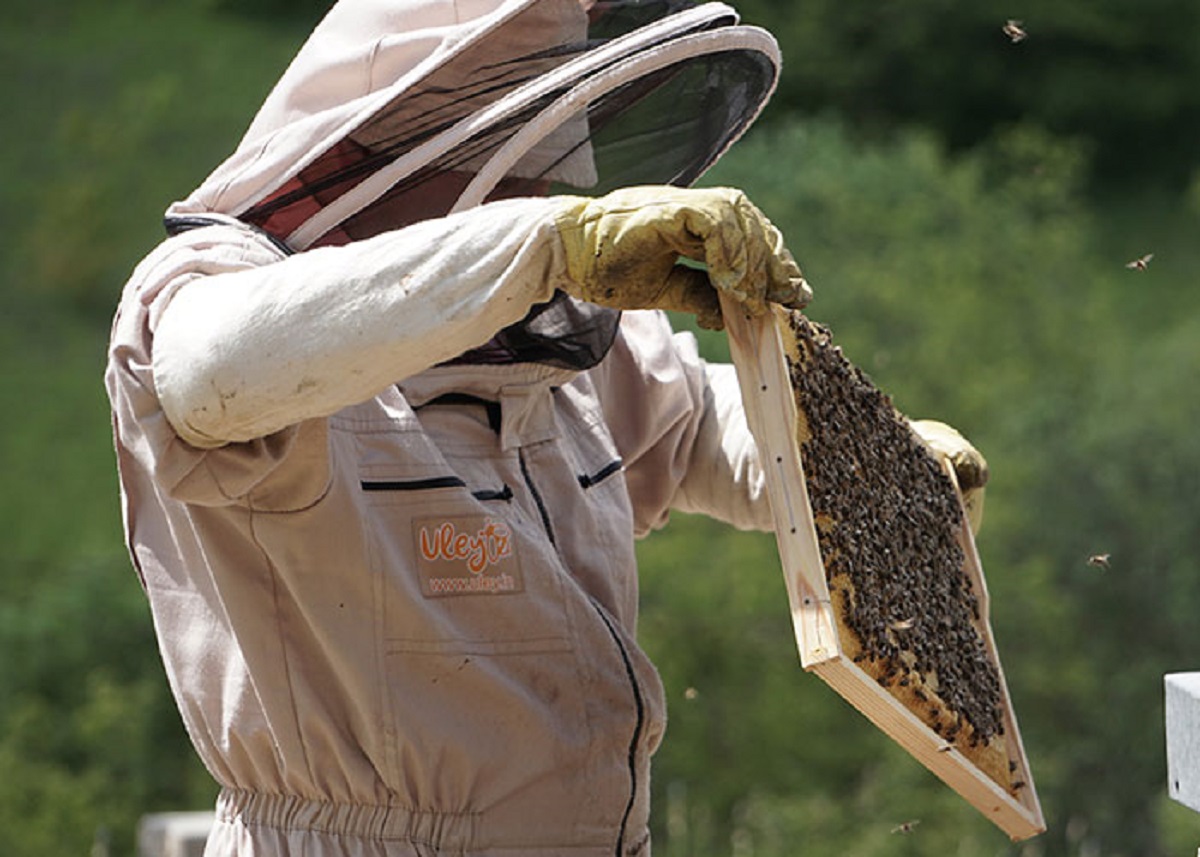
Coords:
pixel 383 493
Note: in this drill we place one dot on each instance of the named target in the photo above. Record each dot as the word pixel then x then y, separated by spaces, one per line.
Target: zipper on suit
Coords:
pixel 638 726
pixel 537 499
pixel 639 704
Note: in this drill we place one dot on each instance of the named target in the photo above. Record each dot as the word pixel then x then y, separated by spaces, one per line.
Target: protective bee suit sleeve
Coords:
pixel 724 479
pixel 679 424
pixel 242 354
pixel 249 353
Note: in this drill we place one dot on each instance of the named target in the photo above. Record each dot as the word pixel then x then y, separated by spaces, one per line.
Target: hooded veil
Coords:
pixel 398 110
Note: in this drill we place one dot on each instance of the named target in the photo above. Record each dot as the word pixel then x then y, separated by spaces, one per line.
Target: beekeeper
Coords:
pixel 386 437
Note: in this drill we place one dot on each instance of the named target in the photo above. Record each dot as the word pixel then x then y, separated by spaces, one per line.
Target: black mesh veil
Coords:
pixel 670 126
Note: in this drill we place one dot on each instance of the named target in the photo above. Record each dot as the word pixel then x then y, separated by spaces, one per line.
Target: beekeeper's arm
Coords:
pixel 240 355
pixel 678 423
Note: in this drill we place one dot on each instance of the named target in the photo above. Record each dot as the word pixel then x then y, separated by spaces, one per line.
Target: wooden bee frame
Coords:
pixel 758 354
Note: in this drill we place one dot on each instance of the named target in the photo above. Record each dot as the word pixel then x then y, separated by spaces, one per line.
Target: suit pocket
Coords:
pixel 483 688
pixel 462 569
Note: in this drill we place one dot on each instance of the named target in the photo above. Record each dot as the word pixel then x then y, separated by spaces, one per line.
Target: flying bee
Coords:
pixel 906 827
pixel 902 624
pixel 1014 31
pixel 1140 263
pixel 1099 560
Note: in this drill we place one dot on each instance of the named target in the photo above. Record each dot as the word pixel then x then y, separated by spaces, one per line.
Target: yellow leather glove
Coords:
pixel 623 250
pixel 970 467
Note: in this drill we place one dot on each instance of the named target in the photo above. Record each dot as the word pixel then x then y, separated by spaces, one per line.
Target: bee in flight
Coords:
pixel 1014 31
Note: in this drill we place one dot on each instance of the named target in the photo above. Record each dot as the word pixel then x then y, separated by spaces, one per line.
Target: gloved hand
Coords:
pixel 970 468
pixel 622 250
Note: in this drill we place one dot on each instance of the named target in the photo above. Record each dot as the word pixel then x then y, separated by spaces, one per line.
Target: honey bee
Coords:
pixel 1140 263
pixel 1099 560
pixel 902 624
pixel 1014 31
pixel 906 827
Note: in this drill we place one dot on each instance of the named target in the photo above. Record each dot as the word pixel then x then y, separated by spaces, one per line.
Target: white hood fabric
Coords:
pixel 364 56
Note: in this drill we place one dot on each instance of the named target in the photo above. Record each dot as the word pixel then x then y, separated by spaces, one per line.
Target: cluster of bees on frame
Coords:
pixel 886 518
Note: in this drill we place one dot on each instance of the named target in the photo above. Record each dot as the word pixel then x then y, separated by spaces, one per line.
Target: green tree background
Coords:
pixel 964 207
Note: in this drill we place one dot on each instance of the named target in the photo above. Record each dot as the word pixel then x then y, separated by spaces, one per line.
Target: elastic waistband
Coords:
pixel 365 821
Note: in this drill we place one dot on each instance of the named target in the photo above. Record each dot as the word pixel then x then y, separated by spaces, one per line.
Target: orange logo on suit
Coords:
pixel 466 556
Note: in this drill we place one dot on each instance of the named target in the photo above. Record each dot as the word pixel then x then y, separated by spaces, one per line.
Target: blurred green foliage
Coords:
pixel 971 259
pixel 1120 75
